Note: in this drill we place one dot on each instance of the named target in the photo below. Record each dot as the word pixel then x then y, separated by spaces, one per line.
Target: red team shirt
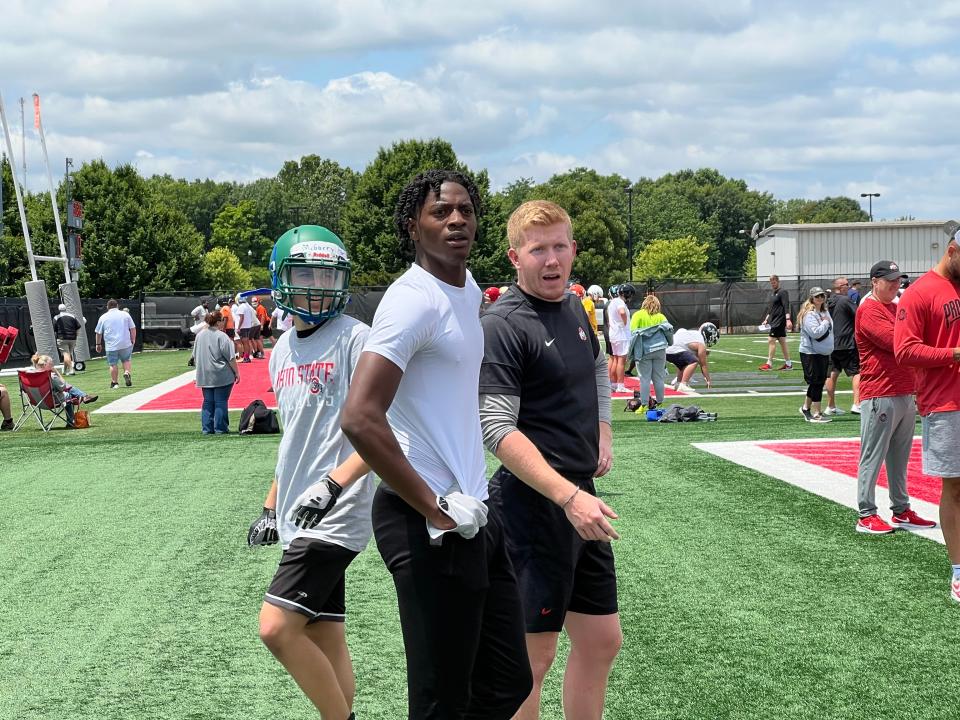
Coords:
pixel 880 376
pixel 928 315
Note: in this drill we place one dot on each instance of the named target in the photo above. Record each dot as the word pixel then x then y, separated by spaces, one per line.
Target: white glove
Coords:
pixel 467 512
pixel 314 503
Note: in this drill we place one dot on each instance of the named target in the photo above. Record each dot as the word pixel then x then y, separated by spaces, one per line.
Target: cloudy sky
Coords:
pixel 799 99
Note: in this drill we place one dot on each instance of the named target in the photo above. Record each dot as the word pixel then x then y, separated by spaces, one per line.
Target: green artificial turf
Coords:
pixel 130 592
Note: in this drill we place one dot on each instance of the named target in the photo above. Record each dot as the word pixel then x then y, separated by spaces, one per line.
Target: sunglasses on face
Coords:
pixel 819 296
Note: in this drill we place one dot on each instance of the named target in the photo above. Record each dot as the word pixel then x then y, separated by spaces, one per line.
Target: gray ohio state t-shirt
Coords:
pixel 311 378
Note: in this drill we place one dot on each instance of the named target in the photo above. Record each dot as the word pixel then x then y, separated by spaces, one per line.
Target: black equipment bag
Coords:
pixel 258 419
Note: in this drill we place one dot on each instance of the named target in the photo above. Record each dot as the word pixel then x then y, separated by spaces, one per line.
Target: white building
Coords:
pixel 833 249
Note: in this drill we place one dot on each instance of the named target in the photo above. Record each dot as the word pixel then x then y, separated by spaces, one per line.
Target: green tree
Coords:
pixel 199 200
pixel 238 227
pixel 367 218
pixel 828 210
pixel 679 259
pixel 750 264
pixel 223 272
pixel 315 190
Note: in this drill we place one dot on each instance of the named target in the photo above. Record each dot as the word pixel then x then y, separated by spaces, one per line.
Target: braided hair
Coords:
pixel 412 197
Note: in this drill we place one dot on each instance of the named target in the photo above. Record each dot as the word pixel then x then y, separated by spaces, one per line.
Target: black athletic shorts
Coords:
pixel 557 570
pixel 255 332
pixel 244 333
pixel 310 580
pixel 778 331
pixel 230 333
pixel 847 361
pixel 681 359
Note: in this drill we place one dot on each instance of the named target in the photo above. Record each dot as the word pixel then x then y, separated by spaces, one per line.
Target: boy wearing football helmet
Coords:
pixel 322 488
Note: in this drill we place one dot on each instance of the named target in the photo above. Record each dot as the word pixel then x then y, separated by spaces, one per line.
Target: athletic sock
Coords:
pixel 956 572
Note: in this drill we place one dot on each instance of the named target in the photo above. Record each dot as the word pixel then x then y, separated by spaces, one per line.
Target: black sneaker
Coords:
pixel 7 425
pixel 127 380
pixel 807 415
pixel 114 386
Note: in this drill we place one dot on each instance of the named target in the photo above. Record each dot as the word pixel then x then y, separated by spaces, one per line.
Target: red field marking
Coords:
pixel 254 385
pixel 633 383
pixel 843 457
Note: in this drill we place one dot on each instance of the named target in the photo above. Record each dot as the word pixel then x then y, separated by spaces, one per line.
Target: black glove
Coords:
pixel 314 503
pixel 263 531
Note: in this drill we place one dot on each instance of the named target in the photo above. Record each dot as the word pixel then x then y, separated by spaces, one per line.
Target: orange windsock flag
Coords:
pixel 36 111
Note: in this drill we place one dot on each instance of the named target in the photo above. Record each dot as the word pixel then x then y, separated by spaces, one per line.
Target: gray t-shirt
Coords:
pixel 311 378
pixel 212 353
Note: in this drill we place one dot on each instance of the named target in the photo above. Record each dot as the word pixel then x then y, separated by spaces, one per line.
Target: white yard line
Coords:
pixel 829 484
pixel 130 403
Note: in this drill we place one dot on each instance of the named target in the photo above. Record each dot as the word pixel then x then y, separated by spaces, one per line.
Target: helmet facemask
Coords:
pixel 312 282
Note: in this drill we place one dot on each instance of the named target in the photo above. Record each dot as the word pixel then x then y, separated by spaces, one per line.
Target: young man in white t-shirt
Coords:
pixel 413 414
pixel 282 321
pixel 618 319
pixel 117 334
pixel 322 491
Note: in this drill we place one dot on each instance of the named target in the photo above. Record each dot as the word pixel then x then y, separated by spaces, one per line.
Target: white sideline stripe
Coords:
pixel 752 394
pixel 130 403
pixel 731 352
pixel 829 484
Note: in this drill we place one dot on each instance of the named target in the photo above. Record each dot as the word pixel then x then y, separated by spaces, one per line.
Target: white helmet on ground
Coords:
pixel 710 334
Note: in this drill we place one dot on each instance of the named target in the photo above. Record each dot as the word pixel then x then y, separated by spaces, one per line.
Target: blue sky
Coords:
pixel 801 100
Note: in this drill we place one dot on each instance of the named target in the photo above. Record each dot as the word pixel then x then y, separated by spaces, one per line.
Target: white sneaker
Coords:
pixel 834 411
pixel 855 409
pixel 820 419
pixel 683 387
pixel 674 383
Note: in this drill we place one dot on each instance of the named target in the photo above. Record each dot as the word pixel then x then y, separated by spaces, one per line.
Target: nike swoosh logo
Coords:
pixel 549 342
pixel 546 611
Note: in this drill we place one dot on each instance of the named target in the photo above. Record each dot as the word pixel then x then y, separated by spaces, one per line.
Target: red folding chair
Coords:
pixel 7 337
pixel 39 401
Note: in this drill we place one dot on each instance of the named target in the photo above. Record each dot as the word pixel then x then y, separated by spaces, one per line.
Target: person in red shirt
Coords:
pixel 888 412
pixel 927 337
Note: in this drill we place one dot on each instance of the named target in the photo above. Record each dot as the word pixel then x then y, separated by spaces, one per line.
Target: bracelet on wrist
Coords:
pixel 569 499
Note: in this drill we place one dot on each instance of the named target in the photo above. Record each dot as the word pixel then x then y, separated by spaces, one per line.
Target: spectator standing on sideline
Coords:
pixel 217 373
pixel 651 335
pixel 778 318
pixel 888 416
pixel 535 342
pixel 66 327
pixel 816 345
pixel 117 334
pixel 412 415
pixel 618 320
pixel 854 292
pixel 845 357
pixel 926 337
pixel 5 410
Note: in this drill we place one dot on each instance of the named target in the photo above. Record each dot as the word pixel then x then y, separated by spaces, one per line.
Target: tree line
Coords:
pixel 163 233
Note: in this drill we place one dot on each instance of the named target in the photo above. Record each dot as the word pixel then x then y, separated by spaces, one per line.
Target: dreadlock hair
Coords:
pixel 412 197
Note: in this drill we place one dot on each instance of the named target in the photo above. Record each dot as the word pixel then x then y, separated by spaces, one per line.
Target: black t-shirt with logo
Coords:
pixel 778 307
pixel 545 354
pixel 844 312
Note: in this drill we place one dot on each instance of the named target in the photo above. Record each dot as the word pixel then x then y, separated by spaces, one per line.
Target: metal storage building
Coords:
pixel 833 249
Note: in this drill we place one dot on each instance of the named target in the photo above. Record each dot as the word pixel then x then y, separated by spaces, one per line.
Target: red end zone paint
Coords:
pixel 633 383
pixel 843 457
pixel 254 384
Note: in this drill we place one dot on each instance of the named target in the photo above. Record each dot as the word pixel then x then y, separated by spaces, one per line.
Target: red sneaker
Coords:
pixel 955 590
pixel 766 366
pixel 910 519
pixel 786 366
pixel 873 525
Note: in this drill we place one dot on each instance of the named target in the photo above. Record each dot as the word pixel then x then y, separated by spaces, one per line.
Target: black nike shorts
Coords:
pixel 558 572
pixel 779 330
pixel 310 580
pixel 846 361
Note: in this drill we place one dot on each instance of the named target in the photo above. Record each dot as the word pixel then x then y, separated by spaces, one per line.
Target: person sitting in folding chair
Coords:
pixel 5 410
pixel 38 398
pixel 62 391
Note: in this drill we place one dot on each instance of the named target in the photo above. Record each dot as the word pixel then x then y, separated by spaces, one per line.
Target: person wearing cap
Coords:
pixel 888 412
pixel 926 337
pixel 66 327
pixel 816 345
pixel 589 302
pixel 845 357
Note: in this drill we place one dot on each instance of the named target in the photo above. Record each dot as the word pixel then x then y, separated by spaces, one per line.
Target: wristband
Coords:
pixel 569 499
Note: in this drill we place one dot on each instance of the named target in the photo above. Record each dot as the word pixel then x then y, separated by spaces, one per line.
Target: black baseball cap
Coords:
pixel 887 269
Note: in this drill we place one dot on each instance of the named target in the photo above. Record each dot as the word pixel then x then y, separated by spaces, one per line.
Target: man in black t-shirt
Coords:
pixel 66 327
pixel 545 413
pixel 845 356
pixel 778 318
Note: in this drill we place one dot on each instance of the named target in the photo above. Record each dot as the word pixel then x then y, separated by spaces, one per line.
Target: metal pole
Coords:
pixel 630 231
pixel 16 187
pixel 38 123
pixel 871 208
pixel 23 144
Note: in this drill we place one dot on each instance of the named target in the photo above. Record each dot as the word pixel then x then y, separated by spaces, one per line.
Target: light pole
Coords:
pixel 871 196
pixel 629 191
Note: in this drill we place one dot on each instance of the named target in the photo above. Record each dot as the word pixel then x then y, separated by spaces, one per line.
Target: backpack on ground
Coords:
pixel 258 419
